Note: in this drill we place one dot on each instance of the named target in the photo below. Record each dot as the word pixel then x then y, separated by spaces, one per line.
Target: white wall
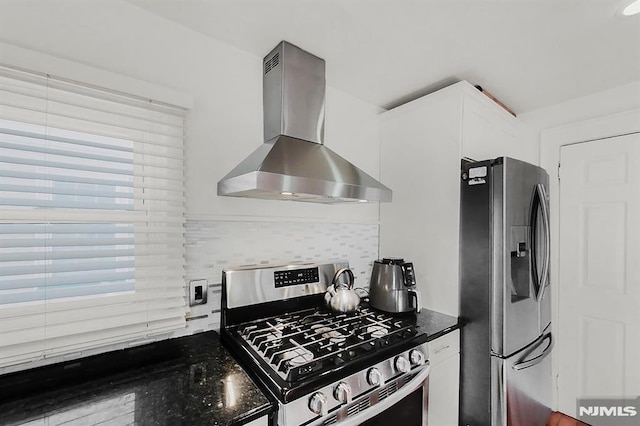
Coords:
pixel 612 101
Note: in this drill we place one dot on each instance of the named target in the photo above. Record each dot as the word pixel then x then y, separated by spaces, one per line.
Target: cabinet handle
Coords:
pixel 442 349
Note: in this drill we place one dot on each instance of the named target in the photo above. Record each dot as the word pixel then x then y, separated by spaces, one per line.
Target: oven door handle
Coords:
pixel 386 403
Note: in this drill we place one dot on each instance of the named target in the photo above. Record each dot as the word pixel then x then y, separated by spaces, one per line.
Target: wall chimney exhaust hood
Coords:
pixel 293 163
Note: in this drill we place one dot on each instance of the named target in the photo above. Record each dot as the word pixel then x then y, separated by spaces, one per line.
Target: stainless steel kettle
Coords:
pixel 340 297
pixel 393 286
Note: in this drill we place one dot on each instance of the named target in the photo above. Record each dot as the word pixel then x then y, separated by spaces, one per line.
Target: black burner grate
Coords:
pixel 299 344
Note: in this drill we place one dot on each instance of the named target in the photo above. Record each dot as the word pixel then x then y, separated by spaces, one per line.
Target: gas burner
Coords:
pixel 310 319
pixel 333 335
pixel 297 357
pixel 377 331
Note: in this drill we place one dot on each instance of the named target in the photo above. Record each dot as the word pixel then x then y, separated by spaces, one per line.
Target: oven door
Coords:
pixel 405 404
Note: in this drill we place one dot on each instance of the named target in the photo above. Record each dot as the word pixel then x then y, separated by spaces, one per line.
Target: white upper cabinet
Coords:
pixel 422 143
pixel 487 130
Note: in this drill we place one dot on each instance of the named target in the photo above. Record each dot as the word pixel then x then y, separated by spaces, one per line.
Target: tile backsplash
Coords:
pixel 213 245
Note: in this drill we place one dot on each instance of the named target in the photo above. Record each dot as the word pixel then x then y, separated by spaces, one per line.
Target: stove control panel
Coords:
pixel 295 277
pixel 255 284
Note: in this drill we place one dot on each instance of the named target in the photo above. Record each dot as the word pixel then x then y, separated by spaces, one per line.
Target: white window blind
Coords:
pixel 91 217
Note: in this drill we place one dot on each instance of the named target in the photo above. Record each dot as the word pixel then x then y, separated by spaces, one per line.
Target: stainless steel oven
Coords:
pixel 323 368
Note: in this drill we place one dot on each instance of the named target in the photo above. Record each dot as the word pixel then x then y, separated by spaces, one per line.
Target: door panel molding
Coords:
pixel 597 337
pixel 604 265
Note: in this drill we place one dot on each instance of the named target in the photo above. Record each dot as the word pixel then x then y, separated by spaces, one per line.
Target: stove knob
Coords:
pixel 402 364
pixel 416 357
pixel 342 393
pixel 318 403
pixel 374 377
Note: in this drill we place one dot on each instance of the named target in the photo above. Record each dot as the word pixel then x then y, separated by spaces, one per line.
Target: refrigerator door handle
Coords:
pixel 540 202
pixel 521 365
pixel 544 276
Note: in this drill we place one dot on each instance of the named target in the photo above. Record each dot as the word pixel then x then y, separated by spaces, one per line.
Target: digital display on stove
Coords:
pixel 295 277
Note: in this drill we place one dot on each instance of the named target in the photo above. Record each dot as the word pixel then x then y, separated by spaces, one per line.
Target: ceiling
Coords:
pixel 527 53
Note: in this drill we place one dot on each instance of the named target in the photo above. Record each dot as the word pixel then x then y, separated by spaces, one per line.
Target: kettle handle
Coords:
pixel 350 280
pixel 415 294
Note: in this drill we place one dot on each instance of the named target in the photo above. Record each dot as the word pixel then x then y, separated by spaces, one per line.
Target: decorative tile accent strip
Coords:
pixel 214 245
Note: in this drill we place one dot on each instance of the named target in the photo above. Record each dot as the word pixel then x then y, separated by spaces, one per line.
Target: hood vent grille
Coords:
pixel 270 64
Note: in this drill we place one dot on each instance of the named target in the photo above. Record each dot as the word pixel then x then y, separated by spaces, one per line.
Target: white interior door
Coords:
pixel 598 345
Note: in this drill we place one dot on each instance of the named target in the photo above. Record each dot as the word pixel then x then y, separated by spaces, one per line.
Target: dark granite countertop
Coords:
pixel 436 324
pixel 191 380
pixel 186 381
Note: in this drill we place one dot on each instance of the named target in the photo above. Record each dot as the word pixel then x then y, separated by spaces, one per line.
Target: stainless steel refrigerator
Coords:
pixel 506 341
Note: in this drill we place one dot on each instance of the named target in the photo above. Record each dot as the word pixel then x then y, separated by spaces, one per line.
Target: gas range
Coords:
pixel 322 367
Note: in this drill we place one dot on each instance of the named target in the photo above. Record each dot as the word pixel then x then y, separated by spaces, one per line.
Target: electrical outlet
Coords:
pixel 198 292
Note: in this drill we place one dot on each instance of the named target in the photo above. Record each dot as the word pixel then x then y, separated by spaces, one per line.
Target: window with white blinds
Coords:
pixel 91 217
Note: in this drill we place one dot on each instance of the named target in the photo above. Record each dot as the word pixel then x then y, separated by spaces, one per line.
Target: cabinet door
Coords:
pixel 444 347
pixel 420 161
pixel 488 133
pixel 444 384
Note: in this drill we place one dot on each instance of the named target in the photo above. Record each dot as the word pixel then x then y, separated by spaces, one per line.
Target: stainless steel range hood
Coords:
pixel 293 163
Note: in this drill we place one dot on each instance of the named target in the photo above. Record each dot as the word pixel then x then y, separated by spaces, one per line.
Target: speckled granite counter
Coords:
pixel 187 381
pixel 436 324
